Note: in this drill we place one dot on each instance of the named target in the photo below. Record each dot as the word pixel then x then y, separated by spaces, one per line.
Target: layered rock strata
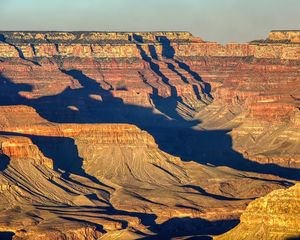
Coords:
pixel 224 121
pixel 285 36
pixel 45 189
pixel 275 216
pixel 123 45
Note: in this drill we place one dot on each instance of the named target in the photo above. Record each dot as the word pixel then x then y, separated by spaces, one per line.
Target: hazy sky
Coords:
pixel 217 20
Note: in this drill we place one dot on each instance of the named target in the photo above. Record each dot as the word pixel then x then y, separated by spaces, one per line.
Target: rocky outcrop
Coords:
pixel 275 216
pixel 57 194
pixel 82 37
pixel 20 147
pixel 152 70
pixel 123 45
pixel 123 149
pixel 123 134
pixel 284 36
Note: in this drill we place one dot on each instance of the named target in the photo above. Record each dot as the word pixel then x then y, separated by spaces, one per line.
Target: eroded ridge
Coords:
pixel 275 216
pixel 141 135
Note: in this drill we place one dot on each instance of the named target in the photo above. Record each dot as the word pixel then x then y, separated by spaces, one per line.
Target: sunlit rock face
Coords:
pixel 83 181
pixel 275 216
pixel 145 134
pixel 285 36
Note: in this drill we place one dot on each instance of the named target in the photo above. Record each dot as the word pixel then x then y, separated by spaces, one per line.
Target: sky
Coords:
pixel 213 20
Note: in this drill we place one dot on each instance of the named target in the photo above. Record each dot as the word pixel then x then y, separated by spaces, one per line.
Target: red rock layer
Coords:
pixel 137 69
pixel 134 180
pixel 186 92
pixel 123 45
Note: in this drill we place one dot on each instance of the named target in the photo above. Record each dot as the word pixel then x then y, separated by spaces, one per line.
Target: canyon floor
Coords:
pixel 148 135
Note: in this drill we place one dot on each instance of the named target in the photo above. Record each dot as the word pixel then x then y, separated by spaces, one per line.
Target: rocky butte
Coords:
pixel 148 135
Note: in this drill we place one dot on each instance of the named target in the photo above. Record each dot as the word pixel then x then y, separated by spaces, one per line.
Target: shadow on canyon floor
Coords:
pixel 175 136
pixel 6 235
pixel 294 238
pixel 4 161
pixel 175 227
pixel 62 150
pixel 171 131
pixel 196 228
pixel 146 218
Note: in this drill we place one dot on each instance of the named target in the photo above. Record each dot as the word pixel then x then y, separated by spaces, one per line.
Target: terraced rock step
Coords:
pixel 146 134
pixel 275 216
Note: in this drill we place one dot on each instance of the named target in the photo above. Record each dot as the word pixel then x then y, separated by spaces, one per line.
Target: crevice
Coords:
pixel 155 68
pixel 20 53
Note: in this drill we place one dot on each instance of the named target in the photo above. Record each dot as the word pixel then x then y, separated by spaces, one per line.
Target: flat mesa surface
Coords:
pixel 148 135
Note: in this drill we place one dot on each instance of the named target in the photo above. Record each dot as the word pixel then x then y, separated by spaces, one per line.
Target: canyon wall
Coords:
pixel 251 88
pixel 84 181
pixel 275 216
pixel 124 45
pixel 144 133
pixel 285 36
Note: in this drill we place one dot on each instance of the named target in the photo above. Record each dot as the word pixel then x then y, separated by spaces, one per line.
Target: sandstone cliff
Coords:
pixel 285 36
pixel 123 45
pixel 141 134
pixel 112 177
pixel 275 216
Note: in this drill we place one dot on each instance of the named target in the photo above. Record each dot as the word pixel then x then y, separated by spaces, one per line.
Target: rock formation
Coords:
pixel 145 134
pixel 275 216
pixel 285 36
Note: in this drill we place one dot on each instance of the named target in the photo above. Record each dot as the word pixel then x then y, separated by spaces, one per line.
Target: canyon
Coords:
pixel 148 135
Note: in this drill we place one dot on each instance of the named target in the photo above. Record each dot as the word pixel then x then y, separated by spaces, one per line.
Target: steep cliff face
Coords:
pixel 285 36
pixel 263 99
pixel 19 147
pixel 141 134
pixel 127 153
pixel 123 45
pixel 275 216
pixel 83 181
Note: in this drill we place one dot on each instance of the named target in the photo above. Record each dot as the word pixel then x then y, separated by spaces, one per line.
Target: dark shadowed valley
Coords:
pixel 148 135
